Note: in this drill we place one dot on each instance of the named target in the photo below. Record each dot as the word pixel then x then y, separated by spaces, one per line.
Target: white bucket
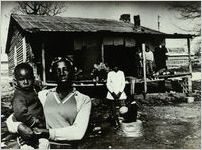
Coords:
pixel 132 129
pixel 190 99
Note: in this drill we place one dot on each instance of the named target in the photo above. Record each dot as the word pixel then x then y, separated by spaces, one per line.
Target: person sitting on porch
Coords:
pixel 116 95
pixel 100 71
pixel 160 57
pixel 149 56
pixel 66 110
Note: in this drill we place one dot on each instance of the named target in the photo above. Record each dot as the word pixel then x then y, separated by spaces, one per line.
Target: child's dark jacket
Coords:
pixel 27 107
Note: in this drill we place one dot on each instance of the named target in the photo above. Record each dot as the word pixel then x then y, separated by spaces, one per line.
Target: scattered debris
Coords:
pixel 3 145
pixel 109 147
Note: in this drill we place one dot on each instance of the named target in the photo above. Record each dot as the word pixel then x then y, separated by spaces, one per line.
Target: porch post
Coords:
pixel 102 51
pixel 43 63
pixel 144 68
pixel 190 65
pixel 189 53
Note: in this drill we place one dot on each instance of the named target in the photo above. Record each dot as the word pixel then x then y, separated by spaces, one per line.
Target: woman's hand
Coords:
pixel 25 132
pixel 21 141
pixel 42 133
pixel 37 131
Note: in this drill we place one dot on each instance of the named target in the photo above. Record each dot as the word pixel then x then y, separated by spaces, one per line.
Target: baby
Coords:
pixel 26 104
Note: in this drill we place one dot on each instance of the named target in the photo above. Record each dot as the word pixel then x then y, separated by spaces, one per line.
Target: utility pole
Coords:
pixel 158 22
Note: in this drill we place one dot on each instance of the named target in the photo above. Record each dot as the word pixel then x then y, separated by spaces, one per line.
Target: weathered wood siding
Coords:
pixel 29 53
pixel 18 52
pixel 15 52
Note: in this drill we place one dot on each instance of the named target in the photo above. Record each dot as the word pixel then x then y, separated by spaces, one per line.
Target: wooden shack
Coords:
pixel 38 39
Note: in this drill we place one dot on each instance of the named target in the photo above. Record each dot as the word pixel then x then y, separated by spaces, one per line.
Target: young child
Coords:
pixel 26 104
pixel 116 95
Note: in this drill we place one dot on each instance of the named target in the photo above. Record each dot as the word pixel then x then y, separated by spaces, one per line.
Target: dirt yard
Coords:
pixel 165 127
pixel 169 123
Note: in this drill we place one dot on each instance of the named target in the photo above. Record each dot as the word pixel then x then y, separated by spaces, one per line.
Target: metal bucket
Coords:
pixel 190 99
pixel 132 129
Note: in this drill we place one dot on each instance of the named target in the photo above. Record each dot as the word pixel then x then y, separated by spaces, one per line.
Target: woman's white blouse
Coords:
pixel 116 83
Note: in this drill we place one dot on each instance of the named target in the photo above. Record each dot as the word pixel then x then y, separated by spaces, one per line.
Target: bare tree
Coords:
pixel 48 8
pixel 190 10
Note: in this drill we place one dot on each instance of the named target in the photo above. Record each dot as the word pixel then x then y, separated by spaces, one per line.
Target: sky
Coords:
pixel 147 10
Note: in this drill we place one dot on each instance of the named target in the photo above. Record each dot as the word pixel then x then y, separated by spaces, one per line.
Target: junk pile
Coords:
pixel 161 99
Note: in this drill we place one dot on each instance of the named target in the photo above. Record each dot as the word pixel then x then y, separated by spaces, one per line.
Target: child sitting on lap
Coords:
pixel 27 106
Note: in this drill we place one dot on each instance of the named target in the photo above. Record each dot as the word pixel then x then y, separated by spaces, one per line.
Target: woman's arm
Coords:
pixel 24 131
pixel 108 84
pixel 123 82
pixel 78 129
pixel 12 125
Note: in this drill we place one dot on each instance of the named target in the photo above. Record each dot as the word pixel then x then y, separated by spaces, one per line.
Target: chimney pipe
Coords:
pixel 136 20
pixel 125 18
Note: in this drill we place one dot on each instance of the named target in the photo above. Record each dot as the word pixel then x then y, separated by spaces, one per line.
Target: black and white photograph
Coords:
pixel 100 74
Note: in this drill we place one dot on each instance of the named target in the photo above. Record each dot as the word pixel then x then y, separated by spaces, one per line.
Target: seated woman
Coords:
pixel 66 110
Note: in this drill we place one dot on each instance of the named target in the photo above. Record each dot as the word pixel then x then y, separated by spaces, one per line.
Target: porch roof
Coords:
pixel 36 24
pixel 33 23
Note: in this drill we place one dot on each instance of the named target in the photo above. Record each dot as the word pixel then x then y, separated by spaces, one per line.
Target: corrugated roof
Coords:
pixel 34 23
pixel 69 24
